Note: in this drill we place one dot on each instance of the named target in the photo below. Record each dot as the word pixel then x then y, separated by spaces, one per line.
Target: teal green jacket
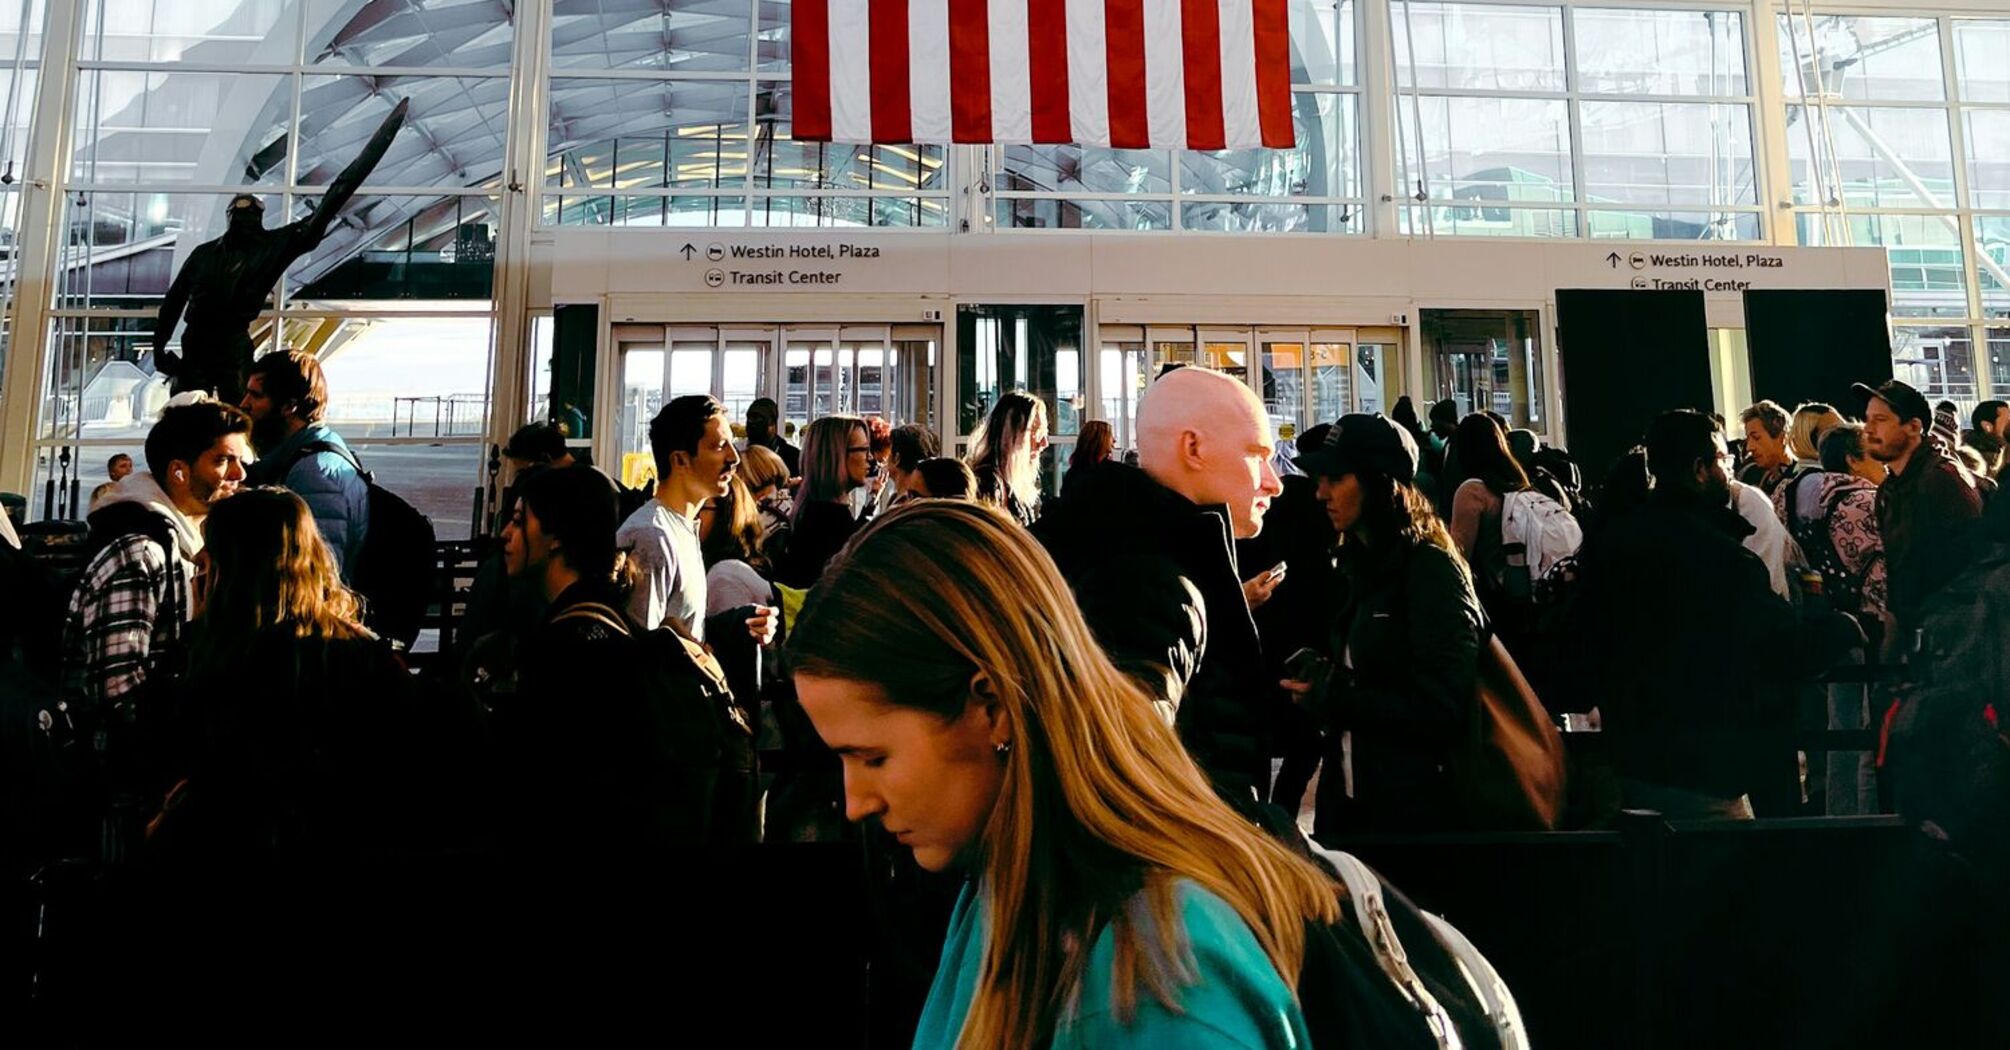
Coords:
pixel 1238 1000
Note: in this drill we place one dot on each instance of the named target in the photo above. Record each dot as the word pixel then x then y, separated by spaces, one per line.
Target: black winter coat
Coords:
pixel 1405 648
pixel 1156 578
pixel 1685 650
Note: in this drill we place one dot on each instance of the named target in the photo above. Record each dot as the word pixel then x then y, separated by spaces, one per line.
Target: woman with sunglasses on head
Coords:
pixel 1114 900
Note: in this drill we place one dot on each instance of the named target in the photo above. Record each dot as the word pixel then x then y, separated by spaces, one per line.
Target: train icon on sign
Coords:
pixel 714 278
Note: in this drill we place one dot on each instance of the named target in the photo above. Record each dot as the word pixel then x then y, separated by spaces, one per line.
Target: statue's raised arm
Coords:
pixel 346 184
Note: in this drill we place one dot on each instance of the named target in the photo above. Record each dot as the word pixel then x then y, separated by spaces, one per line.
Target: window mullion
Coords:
pixel 1575 114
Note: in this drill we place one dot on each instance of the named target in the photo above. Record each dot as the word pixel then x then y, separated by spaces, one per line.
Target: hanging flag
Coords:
pixel 1133 74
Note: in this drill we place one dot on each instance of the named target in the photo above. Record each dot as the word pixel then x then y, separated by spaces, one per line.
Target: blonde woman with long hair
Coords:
pixel 1005 455
pixel 1114 900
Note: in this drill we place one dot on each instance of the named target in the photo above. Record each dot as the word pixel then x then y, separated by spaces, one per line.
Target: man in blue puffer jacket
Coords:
pixel 285 395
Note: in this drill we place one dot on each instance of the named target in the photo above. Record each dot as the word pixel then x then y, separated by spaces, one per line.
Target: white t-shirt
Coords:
pixel 669 568
pixel 733 584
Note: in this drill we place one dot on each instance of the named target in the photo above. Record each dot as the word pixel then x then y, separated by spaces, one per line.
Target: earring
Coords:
pixel 1003 747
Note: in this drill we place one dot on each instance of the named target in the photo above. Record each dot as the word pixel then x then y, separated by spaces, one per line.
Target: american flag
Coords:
pixel 1131 74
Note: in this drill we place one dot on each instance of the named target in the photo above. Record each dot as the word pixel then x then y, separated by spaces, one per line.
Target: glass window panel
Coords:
pixel 686 134
pixel 1938 362
pixel 1629 52
pixel 1469 220
pixel 641 399
pixel 1928 276
pixel 1023 213
pixel 100 381
pixel 406 377
pixel 691 368
pixel 1283 382
pixel 15 123
pixel 1493 149
pixel 21 28
pixel 772 46
pixel 1992 243
pixel 1257 216
pixel 385 247
pixel 1862 58
pixel 439 33
pixel 745 376
pixel 1979 49
pixel 252 32
pixel 674 36
pixel 77 470
pixel 1085 169
pixel 453 135
pixel 1006 348
pixel 1884 157
pixel 439 481
pixel 849 211
pixel 1487 360
pixel 1988 158
pixel 1322 164
pixel 1494 48
pixel 1331 382
pixel 1370 364
pixel 1322 42
pixel 1668 153
pixel 167 127
pixel 1672 225
pixel 539 387
pixel 783 163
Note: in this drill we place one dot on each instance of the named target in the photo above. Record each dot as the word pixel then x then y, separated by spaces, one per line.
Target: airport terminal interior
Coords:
pixel 1570 215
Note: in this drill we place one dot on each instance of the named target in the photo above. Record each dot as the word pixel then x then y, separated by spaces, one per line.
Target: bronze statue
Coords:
pixel 225 282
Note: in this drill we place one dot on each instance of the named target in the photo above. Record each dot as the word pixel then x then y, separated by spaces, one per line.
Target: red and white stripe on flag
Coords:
pixel 1132 74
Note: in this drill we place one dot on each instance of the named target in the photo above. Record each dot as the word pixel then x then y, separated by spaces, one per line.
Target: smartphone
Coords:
pixel 1304 665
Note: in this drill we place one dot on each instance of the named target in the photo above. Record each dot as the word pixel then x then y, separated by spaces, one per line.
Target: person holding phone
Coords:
pixel 1394 687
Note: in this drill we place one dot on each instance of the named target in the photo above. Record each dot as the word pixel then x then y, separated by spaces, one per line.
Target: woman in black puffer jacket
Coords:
pixel 1396 688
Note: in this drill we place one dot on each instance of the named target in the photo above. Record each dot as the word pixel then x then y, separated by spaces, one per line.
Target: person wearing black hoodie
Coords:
pixel 1149 552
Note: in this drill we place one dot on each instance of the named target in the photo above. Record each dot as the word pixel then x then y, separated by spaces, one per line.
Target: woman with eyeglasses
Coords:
pixel 1005 455
pixel 837 455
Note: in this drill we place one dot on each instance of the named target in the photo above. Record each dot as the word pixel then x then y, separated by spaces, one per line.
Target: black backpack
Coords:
pixel 396 569
pixel 691 713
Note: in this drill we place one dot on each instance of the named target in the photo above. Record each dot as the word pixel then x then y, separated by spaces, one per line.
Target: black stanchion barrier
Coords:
pixel 1674 934
pixel 761 946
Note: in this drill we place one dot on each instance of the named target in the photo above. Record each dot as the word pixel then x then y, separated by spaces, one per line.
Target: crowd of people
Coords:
pixel 1107 705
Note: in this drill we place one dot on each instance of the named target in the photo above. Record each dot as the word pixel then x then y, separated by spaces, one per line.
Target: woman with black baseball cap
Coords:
pixel 1396 683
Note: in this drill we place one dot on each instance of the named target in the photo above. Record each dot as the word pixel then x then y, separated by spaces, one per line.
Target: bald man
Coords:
pixel 1150 553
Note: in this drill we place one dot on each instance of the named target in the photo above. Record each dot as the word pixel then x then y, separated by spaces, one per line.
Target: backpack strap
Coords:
pixel 314 447
pixel 598 613
pixel 1371 913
